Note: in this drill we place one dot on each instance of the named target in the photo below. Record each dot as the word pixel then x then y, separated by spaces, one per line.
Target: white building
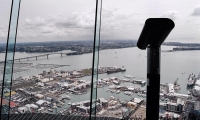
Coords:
pixel 196 88
pixel 170 88
pixel 40 96
pixel 42 102
pixel 45 79
pixel 31 107
pixel 174 107
pixel 26 77
pixel 63 84
pixel 52 91
pixel 58 75
pixel 137 100
pixel 38 76
pixel 132 104
pixel 23 109
pixel 75 73
pixel 65 74
pixel 184 96
pixel 40 84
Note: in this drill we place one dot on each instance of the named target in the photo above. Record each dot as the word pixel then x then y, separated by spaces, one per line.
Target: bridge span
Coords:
pixel 36 57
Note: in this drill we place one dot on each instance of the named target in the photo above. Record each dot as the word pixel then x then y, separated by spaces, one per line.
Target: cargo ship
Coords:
pixel 191 80
pixel 116 70
pixel 74 53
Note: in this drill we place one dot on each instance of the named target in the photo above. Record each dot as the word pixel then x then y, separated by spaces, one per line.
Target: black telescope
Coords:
pixel 154 33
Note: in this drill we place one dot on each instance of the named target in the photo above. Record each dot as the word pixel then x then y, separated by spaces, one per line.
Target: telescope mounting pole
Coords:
pixel 153 82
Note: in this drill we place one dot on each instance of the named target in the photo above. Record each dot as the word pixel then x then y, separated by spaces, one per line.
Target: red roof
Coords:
pixel 4 102
pixel 13 104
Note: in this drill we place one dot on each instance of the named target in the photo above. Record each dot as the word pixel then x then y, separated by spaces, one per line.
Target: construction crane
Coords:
pixel 176 82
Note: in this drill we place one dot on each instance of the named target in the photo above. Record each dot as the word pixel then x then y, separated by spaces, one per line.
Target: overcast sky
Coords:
pixel 51 20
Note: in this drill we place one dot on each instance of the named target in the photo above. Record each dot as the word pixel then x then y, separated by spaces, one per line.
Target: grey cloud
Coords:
pixel 3 34
pixel 61 24
pixel 196 11
pixel 66 24
pixel 170 14
pixel 112 14
pixel 114 21
pixel 107 13
pixel 32 23
pixel 141 22
pixel 122 16
pixel 73 20
pixel 64 20
pixel 47 29
pixel 1 26
pixel 86 21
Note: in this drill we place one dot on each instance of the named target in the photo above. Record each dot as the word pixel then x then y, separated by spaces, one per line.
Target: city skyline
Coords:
pixel 74 20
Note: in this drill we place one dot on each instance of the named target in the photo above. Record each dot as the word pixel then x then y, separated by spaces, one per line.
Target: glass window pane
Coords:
pixel 122 23
pixel 121 86
pixel 5 7
pixel 96 59
pixel 53 58
pixel 9 56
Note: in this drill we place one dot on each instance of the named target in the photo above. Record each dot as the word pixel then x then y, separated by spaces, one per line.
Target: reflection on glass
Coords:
pixel 94 104
pixel 53 59
pixel 8 68
pixel 179 60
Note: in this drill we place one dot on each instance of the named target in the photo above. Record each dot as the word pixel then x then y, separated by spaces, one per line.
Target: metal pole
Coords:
pixel 153 82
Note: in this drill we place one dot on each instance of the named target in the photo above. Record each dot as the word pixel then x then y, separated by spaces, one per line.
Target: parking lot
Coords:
pixel 140 113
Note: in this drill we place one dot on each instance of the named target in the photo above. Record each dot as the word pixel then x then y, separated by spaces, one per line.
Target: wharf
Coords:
pixel 54 64
pixel 27 84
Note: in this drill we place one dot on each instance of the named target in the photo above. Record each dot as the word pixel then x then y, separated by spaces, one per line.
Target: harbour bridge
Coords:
pixel 36 57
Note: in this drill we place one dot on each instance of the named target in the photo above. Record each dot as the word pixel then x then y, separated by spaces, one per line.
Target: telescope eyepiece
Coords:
pixel 154 32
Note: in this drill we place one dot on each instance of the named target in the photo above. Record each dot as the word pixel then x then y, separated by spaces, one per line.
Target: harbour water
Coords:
pixel 173 65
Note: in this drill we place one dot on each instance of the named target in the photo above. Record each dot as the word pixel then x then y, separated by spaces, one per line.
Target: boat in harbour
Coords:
pixel 139 94
pixel 142 82
pixel 118 91
pixel 128 76
pixel 50 110
pixel 116 70
pixel 69 103
pixel 59 105
pixel 126 92
pixel 66 97
pixel 54 106
pixel 191 80
pixel 143 95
